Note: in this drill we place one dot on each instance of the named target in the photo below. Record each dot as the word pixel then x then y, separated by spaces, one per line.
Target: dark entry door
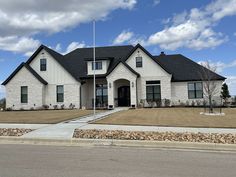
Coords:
pixel 124 96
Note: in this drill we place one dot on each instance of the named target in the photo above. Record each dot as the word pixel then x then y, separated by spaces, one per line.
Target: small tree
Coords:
pixel 3 103
pixel 209 83
pixel 225 92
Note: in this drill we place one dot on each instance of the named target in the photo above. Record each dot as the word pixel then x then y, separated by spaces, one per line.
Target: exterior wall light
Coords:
pixel 109 85
pixel 132 84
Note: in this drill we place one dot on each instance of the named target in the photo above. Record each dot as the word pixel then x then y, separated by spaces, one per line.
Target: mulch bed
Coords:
pixel 14 131
pixel 156 136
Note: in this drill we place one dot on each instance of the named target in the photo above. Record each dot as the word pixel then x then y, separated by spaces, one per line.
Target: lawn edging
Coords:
pixel 119 143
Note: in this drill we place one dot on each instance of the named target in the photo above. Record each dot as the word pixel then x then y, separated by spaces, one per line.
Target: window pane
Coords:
pixel 60 93
pixel 191 94
pixel 24 90
pixel 149 89
pixel 149 97
pixel 199 94
pixel 138 59
pixel 99 65
pixel 43 61
pixel 198 86
pixel 99 92
pixel 60 97
pixel 60 89
pixel 43 64
pixel 105 91
pixel 24 94
pixel 156 89
pixel 139 62
pixel 157 96
pixel 191 86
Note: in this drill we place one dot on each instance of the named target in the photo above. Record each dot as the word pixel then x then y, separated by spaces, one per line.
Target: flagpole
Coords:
pixel 94 78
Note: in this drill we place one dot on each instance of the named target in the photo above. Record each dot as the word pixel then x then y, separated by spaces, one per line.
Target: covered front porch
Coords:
pixel 118 89
pixel 109 94
pixel 122 87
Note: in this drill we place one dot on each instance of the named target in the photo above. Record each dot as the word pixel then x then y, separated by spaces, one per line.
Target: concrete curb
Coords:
pixel 119 143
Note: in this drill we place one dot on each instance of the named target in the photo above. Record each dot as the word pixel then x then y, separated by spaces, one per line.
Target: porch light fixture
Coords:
pixel 109 85
pixel 132 84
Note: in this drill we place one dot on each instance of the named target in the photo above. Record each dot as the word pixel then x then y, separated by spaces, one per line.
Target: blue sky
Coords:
pixel 202 30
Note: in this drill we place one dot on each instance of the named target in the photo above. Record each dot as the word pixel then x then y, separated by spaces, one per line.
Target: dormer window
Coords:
pixel 139 62
pixel 43 64
pixel 98 65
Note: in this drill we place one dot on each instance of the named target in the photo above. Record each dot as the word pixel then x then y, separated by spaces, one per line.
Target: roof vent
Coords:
pixel 162 53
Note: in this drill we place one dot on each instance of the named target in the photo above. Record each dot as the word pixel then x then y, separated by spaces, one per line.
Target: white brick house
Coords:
pixel 125 76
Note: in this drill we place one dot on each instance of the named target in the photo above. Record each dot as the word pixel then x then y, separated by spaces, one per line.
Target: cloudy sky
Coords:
pixel 202 30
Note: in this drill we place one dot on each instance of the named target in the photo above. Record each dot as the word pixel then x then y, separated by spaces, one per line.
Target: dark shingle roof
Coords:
pixel 75 62
pixel 184 69
pixel 31 70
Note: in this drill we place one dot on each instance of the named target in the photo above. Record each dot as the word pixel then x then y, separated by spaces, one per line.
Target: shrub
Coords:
pixel 9 109
pixel 193 103
pixel 158 102
pixel 62 106
pixel 22 109
pixel 198 102
pixel 32 108
pixel 187 103
pixel 71 106
pixel 45 107
pixel 55 107
pixel 166 102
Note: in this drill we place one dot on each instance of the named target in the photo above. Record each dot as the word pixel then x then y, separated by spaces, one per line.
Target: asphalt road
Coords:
pixel 55 161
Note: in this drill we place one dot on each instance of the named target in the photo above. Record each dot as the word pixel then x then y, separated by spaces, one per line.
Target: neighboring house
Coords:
pixel 125 76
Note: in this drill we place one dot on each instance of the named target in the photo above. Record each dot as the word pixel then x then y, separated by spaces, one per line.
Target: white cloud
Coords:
pixel 32 16
pixel 220 68
pixel 195 29
pixel 219 65
pixel 20 20
pixel 74 45
pixel 58 47
pixel 156 2
pixel 124 36
pixel 18 44
pixel 231 82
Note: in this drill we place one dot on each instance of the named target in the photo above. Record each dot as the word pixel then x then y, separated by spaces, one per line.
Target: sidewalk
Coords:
pixel 65 130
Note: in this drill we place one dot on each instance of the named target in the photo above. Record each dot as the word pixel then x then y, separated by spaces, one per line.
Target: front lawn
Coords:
pixel 41 117
pixel 176 117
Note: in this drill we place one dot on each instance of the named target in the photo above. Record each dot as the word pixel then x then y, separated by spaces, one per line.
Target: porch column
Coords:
pixel 110 94
pixel 133 93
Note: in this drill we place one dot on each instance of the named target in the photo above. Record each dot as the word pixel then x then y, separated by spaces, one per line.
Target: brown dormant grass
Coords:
pixel 177 117
pixel 41 117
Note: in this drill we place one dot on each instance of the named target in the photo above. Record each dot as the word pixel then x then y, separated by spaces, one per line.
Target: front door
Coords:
pixel 124 96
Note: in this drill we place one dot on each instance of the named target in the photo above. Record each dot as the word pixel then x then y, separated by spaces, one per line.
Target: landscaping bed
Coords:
pixel 156 136
pixel 14 131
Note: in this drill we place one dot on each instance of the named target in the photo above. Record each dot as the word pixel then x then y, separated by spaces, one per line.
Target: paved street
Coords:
pixel 50 161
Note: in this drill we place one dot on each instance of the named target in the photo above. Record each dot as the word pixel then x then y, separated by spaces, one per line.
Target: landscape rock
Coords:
pixel 157 136
pixel 13 131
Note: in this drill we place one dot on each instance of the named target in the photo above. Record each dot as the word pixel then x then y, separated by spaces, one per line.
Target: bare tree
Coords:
pixel 209 83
